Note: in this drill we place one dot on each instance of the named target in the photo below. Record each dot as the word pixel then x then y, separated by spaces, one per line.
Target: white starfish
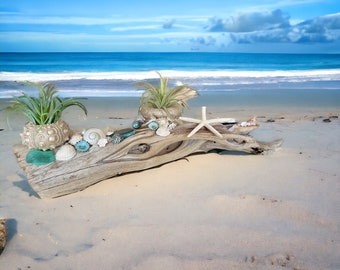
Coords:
pixel 206 123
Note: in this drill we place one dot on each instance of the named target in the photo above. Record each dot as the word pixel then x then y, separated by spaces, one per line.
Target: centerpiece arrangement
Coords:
pixel 158 135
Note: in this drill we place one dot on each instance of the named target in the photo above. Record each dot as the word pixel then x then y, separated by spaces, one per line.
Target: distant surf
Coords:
pixel 113 74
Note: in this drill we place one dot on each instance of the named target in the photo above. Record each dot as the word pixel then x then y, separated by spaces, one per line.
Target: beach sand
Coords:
pixel 211 211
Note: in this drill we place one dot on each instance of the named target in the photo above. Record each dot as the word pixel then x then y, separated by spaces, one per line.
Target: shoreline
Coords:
pixel 208 211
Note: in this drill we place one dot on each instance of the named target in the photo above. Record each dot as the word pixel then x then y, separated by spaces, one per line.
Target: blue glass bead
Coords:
pixel 153 125
pixel 136 124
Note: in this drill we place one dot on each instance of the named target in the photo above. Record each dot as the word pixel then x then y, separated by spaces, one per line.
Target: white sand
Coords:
pixel 274 211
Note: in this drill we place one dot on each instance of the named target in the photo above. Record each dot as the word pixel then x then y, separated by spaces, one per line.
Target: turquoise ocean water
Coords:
pixel 114 74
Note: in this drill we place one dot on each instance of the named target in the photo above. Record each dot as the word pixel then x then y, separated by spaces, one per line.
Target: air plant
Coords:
pixel 47 108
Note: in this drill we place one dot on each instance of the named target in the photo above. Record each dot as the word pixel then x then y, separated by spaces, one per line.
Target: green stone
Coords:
pixel 39 157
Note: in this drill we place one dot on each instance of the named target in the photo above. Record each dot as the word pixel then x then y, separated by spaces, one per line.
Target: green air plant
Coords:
pixel 47 108
pixel 163 97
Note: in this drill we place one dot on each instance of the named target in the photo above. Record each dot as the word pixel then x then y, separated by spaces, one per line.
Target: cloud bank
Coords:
pixel 275 27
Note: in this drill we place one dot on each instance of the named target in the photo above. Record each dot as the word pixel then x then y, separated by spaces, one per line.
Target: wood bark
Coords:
pixel 139 152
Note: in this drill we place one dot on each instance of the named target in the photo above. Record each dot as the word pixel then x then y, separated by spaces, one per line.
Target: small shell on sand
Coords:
pixel 65 152
pixel 93 135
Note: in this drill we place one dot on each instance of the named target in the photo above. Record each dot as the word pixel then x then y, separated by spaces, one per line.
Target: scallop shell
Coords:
pixel 82 146
pixel 93 135
pixel 75 138
pixel 65 152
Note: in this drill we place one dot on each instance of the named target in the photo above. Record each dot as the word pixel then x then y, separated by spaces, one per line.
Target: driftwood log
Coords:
pixel 136 153
pixel 2 234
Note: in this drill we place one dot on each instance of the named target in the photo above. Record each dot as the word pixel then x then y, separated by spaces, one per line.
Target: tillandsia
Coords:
pixel 47 108
pixel 162 96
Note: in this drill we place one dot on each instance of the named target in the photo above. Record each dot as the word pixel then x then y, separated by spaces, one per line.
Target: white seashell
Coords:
pixel 75 138
pixel 93 135
pixel 163 131
pixel 65 152
pixel 102 142
pixel 172 126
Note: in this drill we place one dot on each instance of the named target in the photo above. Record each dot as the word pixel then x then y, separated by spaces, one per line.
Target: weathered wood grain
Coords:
pixel 139 152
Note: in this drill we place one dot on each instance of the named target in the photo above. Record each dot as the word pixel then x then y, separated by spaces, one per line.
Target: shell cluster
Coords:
pixel 81 143
pixel 162 126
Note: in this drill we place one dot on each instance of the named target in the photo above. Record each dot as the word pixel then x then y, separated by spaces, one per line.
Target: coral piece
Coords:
pixel 39 157
pixel 116 138
pixel 93 135
pixel 65 152
pixel 82 146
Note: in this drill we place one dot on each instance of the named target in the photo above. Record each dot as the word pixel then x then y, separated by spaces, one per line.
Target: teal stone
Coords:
pixel 126 133
pixel 122 134
pixel 153 125
pixel 82 146
pixel 136 124
pixel 39 157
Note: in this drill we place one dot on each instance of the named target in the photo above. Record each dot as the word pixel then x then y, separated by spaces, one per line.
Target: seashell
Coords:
pixel 93 135
pixel 82 146
pixel 153 125
pixel 65 152
pixel 75 138
pixel 163 131
pixel 163 127
pixel 45 137
pixel 102 142
pixel 172 126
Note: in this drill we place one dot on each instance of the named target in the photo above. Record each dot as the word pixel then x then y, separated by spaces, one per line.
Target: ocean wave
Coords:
pixel 322 74
pixel 111 84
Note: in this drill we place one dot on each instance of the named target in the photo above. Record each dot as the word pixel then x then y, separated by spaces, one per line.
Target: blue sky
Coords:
pixel 284 26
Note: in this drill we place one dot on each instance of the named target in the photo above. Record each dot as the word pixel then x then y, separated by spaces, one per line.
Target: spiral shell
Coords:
pixel 65 152
pixel 93 135
pixel 75 138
